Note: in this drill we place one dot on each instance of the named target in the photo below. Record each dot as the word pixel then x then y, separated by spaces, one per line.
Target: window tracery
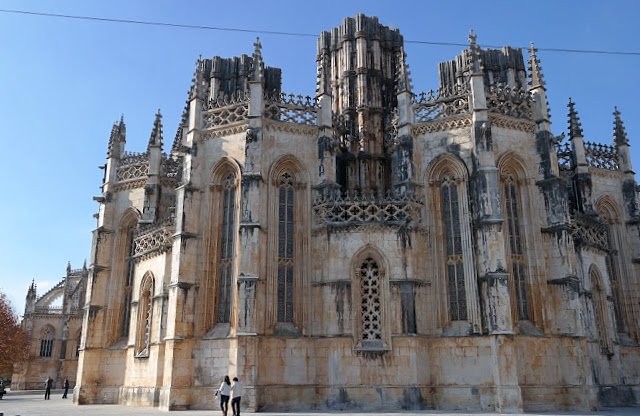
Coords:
pixel 128 287
pixel 46 342
pixel 145 316
pixel 453 249
pixel 286 260
pixel 515 245
pixel 370 301
pixel 225 265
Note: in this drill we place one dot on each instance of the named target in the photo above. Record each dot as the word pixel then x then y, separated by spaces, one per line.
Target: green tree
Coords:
pixel 14 344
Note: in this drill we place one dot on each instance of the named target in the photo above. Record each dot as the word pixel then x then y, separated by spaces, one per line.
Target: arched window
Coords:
pixel 219 241
pixel 600 309
pixel 225 264
pixel 608 218
pixel 286 259
pixel 453 249
pixel 145 317
pixel 128 287
pixel 515 245
pixel 451 246
pixel 46 342
pixel 370 302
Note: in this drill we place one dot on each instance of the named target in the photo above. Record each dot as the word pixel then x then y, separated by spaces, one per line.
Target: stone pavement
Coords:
pixel 33 404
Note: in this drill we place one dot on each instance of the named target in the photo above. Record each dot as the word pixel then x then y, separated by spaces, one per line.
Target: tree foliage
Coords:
pixel 14 344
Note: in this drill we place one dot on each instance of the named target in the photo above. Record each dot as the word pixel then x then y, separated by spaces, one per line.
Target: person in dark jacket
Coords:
pixel 66 388
pixel 47 391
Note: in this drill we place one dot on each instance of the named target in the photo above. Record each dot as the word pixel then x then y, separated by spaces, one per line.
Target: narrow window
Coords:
pixel 46 343
pixel 370 304
pixel 600 311
pixel 285 248
pixel 128 286
pixel 613 274
pixel 453 243
pixel 145 316
pixel 516 252
pixel 226 249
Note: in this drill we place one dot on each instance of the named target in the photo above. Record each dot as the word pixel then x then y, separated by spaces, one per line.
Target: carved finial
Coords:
pixel 475 61
pixel 84 265
pixel 118 135
pixel 156 133
pixel 535 70
pixel 575 128
pixel 257 71
pixel 33 286
pixel 198 88
pixel 619 133
pixel 68 268
pixel 472 38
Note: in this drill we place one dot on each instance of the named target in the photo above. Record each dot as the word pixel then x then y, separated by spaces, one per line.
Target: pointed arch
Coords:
pixel 617 270
pixel 121 282
pixel 145 315
pixel 371 286
pixel 288 224
pixel 222 215
pixel 47 336
pixel 453 265
pixel 514 177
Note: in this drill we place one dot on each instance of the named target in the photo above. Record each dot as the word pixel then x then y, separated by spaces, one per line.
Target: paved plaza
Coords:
pixel 33 404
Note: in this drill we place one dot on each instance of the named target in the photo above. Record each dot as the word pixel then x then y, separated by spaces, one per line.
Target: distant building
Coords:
pixel 53 323
pixel 370 247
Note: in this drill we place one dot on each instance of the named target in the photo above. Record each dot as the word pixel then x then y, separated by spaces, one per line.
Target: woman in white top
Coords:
pixel 225 392
pixel 237 391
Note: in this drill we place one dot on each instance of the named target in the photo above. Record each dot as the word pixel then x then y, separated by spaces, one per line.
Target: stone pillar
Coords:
pixel 182 297
pixel 152 188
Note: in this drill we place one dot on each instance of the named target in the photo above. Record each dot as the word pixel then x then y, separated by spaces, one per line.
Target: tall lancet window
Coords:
pixel 228 227
pixel 515 246
pixel 370 303
pixel 608 218
pixel 285 248
pixel 145 317
pixel 128 287
pixel 453 243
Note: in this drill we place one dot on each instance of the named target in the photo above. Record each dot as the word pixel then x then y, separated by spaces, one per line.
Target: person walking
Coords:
pixel 225 391
pixel 66 388
pixel 47 385
pixel 237 391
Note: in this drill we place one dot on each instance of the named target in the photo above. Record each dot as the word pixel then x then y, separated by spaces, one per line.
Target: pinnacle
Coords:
pixel 575 128
pixel 535 70
pixel 156 133
pixel 476 55
pixel 619 133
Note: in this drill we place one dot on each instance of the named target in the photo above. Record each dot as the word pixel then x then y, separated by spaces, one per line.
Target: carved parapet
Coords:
pixel 443 103
pixel 509 101
pixel 589 231
pixel 291 108
pixel 223 116
pixel 132 166
pixel 355 208
pixel 152 240
pixel 601 156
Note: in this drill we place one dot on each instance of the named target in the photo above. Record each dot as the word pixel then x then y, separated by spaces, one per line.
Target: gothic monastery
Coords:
pixel 370 247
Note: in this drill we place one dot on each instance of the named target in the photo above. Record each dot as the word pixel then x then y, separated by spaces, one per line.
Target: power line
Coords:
pixel 272 32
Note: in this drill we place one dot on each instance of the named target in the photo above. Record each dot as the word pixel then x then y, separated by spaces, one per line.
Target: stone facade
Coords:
pixel 53 323
pixel 369 247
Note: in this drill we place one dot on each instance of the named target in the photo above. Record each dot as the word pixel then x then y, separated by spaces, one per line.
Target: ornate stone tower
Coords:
pixel 358 65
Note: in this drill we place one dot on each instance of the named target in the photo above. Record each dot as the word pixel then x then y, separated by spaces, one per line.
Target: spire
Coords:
pixel 257 72
pixel 619 133
pixel 118 135
pixel 32 288
pixel 575 128
pixel 198 88
pixel 475 60
pixel 68 268
pixel 156 133
pixel 535 70
pixel 402 76
pixel 84 265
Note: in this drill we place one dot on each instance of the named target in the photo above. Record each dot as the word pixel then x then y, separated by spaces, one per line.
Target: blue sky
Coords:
pixel 64 82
